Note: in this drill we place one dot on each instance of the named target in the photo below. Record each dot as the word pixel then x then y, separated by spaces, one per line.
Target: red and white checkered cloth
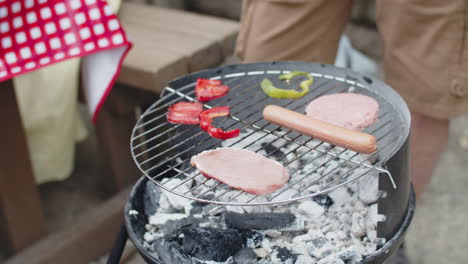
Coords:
pixel 36 33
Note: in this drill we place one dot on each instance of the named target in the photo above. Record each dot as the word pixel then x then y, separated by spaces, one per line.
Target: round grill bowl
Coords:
pixel 135 226
pixel 152 135
pixel 162 150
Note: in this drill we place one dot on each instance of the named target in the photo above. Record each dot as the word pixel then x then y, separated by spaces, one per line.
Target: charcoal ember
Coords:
pixel 211 243
pixel 258 221
pixel 331 260
pixel 302 259
pixel 358 226
pixel 340 197
pixel 298 225
pixel 368 189
pixel 311 209
pixel 197 207
pixel 172 226
pixel 169 251
pixel 348 256
pixel 261 252
pixel 245 256
pixel 324 200
pixel 273 233
pixel 151 198
pixel 285 254
pixel 253 238
pixel 196 210
pixel 272 151
pixel 320 247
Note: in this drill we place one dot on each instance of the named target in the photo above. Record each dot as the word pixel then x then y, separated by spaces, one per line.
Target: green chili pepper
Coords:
pixel 272 91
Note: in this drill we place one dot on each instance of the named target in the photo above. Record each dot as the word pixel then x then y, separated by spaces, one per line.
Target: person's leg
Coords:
pixel 425 60
pixel 429 137
pixel 295 30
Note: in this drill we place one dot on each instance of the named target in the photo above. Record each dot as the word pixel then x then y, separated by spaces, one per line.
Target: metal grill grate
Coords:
pixel 162 150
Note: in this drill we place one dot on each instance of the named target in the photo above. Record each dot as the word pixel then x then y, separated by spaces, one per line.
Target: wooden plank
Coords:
pixel 171 19
pixel 21 215
pixel 150 68
pixel 90 236
pixel 114 126
pixel 200 52
pixel 217 29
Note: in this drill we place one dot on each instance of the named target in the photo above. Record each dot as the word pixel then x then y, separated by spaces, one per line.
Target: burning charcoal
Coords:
pixel 348 256
pixel 261 252
pixel 253 238
pixel 368 188
pixel 151 198
pixel 259 221
pixel 311 209
pixel 178 202
pixel 197 207
pixel 302 259
pixel 213 210
pixel 273 233
pixel 272 151
pixel 159 219
pixel 211 243
pixel 324 200
pixel 150 236
pixel 301 238
pixel 284 254
pixel 320 247
pixel 301 248
pixel 172 226
pixel 358 226
pixel 245 256
pixel 336 236
pixel 340 196
pixel 196 210
pixel 169 252
pixel 330 260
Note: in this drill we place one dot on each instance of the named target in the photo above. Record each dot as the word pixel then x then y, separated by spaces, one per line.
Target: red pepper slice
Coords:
pixel 184 113
pixel 216 111
pixel 206 90
pixel 206 118
pixel 205 122
pixel 221 134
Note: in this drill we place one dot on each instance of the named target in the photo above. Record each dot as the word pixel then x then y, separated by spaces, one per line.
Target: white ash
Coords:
pixel 311 209
pixel 321 234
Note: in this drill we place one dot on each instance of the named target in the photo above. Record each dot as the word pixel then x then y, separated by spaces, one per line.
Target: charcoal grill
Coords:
pixel 162 151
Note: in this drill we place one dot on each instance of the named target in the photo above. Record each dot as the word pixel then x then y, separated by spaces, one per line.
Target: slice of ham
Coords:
pixel 349 110
pixel 242 169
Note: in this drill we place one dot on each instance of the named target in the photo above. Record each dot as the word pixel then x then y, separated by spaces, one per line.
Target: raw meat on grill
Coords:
pixel 349 110
pixel 242 169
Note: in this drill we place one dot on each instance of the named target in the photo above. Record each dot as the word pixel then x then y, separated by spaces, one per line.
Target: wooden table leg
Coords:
pixel 21 216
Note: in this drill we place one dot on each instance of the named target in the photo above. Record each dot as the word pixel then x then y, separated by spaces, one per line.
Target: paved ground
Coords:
pixel 439 233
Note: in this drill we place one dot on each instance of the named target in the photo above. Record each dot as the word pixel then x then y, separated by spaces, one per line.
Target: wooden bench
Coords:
pixel 167 44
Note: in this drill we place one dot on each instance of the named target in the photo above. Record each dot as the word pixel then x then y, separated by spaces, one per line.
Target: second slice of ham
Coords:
pixel 349 110
pixel 242 169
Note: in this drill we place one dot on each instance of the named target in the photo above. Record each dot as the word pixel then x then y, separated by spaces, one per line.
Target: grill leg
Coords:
pixel 20 208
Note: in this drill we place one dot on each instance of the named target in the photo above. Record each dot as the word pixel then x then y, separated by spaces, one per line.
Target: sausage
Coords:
pixel 347 138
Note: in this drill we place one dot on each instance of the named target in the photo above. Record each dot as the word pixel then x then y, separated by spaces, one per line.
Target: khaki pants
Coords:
pixel 425 44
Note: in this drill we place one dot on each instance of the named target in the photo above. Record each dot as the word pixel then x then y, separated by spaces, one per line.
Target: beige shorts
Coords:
pixel 425 44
